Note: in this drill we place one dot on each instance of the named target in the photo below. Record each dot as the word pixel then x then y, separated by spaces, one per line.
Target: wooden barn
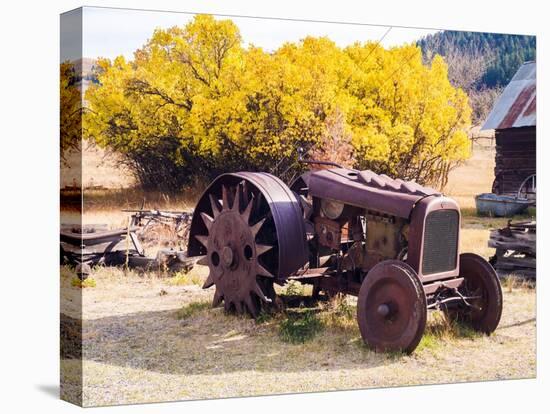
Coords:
pixel 514 120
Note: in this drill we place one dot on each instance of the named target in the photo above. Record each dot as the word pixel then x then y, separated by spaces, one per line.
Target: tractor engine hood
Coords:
pixel 368 190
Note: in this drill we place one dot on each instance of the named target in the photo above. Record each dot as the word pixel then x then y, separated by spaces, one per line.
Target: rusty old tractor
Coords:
pixel 392 243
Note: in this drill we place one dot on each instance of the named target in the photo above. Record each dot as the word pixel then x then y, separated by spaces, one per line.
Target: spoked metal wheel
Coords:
pixel 391 308
pixel 237 225
pixel 482 287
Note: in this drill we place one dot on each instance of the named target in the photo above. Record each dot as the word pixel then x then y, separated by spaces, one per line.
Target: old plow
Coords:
pixel 85 246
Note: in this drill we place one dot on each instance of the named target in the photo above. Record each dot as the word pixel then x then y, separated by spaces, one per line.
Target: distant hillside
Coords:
pixel 481 64
pixel 503 53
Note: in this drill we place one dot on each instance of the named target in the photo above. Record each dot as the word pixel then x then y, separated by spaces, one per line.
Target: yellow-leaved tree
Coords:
pixel 194 102
pixel 409 121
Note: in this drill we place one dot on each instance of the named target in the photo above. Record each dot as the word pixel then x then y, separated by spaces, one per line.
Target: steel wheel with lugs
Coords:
pixel 233 253
pixel 391 308
pixel 236 229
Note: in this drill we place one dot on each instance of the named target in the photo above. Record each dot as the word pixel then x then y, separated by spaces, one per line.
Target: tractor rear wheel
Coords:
pixel 481 284
pixel 249 230
pixel 391 308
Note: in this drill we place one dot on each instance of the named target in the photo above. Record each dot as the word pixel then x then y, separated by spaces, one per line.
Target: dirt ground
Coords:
pixel 137 347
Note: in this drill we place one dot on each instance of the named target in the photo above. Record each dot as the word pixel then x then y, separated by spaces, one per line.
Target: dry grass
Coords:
pixel 514 281
pixel 196 276
pixel 138 348
pixel 95 166
pixel 134 198
pixel 191 309
pixel 474 177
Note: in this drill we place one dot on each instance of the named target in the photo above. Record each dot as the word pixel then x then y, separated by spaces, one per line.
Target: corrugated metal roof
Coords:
pixel 517 106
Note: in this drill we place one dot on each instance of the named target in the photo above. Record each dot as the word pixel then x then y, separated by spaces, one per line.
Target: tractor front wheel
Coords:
pixel 391 308
pixel 482 289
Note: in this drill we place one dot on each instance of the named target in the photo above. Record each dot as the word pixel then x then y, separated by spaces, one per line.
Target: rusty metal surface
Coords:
pixel 368 190
pixel 517 106
pixel 329 232
pixel 417 234
pixel 93 238
pixel 391 308
pixel 384 240
pixel 233 254
pixel 89 245
pixel 431 288
pixel 290 252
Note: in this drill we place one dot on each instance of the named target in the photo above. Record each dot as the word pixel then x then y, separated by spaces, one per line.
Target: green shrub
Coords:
pixel 264 316
pixel 294 288
pixel 299 327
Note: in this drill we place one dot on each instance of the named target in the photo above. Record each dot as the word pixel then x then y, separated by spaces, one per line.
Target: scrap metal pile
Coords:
pixel 516 249
pixel 84 246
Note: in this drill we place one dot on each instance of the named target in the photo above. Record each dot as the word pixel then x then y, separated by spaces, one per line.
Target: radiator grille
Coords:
pixel 440 242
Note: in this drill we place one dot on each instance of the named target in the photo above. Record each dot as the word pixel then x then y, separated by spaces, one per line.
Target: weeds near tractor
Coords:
pixel 513 282
pixel 299 327
pixel 342 309
pixel 264 317
pixel 294 288
pixel 191 277
pixel 509 283
pixel 339 313
pixel 441 328
pixel 429 341
pixel 192 309
pixel 367 350
pixel 461 330
pixel 86 283
pixel 395 355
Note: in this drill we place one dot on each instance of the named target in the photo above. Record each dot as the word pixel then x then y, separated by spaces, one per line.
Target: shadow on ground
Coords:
pixel 213 342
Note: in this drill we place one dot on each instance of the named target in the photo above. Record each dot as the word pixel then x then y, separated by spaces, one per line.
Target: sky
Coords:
pixel 112 32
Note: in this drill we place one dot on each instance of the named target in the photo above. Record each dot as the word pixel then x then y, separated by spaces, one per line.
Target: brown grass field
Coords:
pixel 153 337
